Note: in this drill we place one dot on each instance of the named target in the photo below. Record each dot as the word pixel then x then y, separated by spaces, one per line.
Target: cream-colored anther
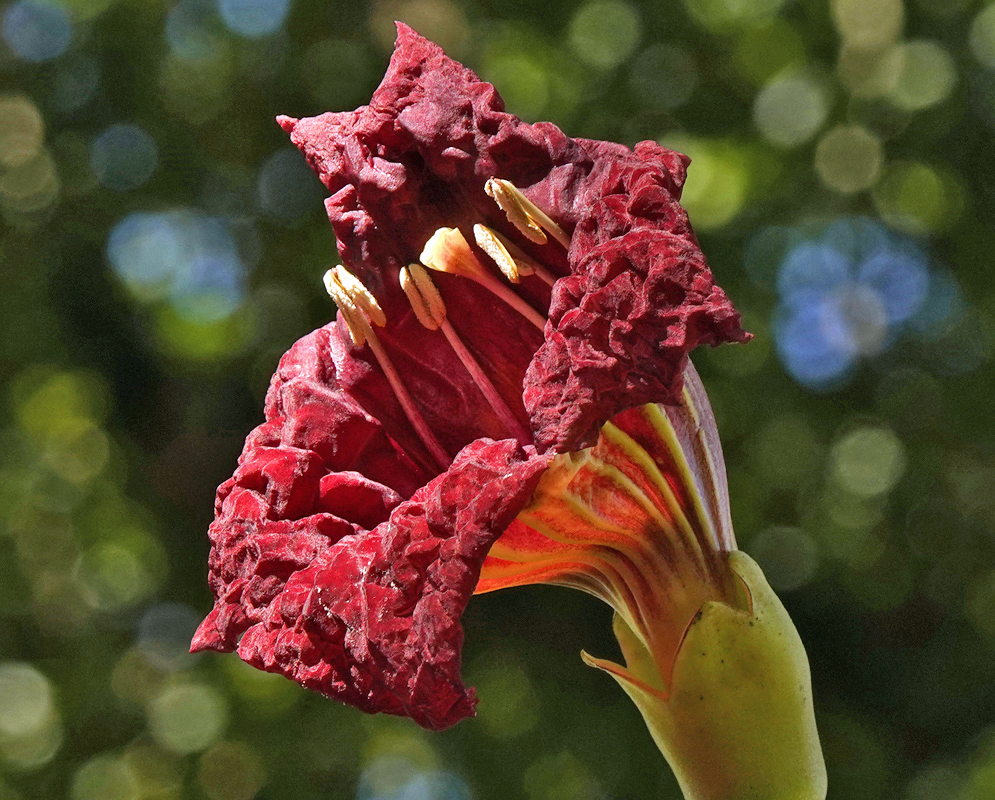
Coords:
pixel 425 299
pixel 490 243
pixel 448 251
pixel 350 313
pixel 510 258
pixel 361 296
pixel 530 220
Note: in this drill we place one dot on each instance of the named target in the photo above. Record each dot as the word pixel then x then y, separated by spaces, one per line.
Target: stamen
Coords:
pixel 431 312
pixel 530 220
pixel 360 295
pixel 487 389
pixel 350 313
pixel 447 251
pixel 355 303
pixel 509 257
pixel 425 299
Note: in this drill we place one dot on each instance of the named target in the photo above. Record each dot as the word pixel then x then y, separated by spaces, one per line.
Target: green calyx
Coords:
pixel 737 721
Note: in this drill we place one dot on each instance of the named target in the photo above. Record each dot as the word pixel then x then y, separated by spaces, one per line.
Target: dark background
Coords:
pixel 161 245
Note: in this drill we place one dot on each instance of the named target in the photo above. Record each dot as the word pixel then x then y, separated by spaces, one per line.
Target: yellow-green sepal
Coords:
pixel 737 721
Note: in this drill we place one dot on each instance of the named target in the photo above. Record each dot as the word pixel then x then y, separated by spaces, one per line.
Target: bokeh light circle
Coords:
pixel 392 776
pixel 22 130
pixel 846 293
pixel 809 356
pixel 522 81
pixel 185 257
pixel 789 111
pixel 187 718
pixel 30 726
pixel 604 33
pixel 982 36
pixel 848 159
pixel 868 24
pixel 144 248
pixel 765 50
pixel 855 320
pixel 717 183
pixel 106 777
pixel 868 461
pixel 26 699
pixel 31 186
pixel 900 279
pixel 192 30
pixel 37 30
pixel 918 197
pixel 811 267
pixel 123 157
pixel 926 77
pixel 254 18
pixel 509 703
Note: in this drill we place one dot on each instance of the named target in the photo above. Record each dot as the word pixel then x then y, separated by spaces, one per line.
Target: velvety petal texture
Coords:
pixel 364 609
pixel 638 295
pixel 351 536
pixel 639 298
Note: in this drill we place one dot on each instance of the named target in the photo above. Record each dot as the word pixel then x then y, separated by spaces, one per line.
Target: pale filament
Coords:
pixel 431 312
pixel 494 400
pixel 344 288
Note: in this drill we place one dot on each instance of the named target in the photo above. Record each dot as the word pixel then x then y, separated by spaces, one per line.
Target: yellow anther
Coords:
pixel 448 251
pixel 425 299
pixel 498 249
pixel 530 220
pixel 350 313
pixel 361 296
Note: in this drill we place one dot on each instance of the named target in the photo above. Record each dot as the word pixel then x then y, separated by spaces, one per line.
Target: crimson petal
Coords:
pixel 369 617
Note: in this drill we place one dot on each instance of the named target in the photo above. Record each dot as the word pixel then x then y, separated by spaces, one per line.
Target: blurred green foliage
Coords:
pixel 161 245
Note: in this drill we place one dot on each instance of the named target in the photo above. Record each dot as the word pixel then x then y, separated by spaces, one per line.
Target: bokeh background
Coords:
pixel 161 245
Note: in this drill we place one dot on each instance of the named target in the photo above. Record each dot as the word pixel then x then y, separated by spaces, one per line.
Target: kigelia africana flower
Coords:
pixel 506 398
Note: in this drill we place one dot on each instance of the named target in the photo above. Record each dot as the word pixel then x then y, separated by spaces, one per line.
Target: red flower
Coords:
pixel 402 440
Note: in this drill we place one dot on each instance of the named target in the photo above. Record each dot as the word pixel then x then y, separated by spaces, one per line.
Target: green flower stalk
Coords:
pixel 736 720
